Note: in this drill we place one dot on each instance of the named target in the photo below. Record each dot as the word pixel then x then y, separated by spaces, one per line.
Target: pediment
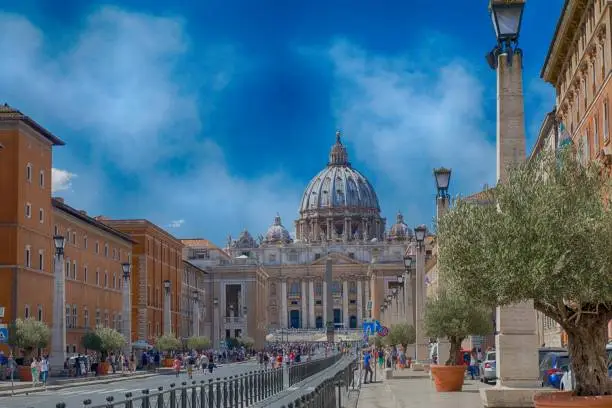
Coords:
pixel 337 259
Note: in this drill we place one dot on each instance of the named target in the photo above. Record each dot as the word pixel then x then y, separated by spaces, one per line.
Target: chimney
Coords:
pixel 59 199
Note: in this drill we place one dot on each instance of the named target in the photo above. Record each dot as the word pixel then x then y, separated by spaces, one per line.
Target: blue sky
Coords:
pixel 208 117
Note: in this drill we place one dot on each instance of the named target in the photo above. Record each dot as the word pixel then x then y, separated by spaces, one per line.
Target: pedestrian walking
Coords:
pixel 35 371
pixel 177 366
pixel 367 367
pixel 44 370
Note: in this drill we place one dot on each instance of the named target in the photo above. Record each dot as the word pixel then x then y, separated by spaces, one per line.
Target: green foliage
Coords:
pixel 110 340
pixel 546 236
pixel 454 317
pixel 401 333
pixel 29 334
pixel 168 342
pixel 232 343
pixel 91 341
pixel 376 340
pixel 198 343
pixel 247 341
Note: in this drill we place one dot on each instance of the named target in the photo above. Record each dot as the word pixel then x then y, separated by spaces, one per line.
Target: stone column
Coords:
pixel 368 297
pixel 311 305
pixel 359 305
pixel 421 340
pixel 196 317
pixel 216 329
pixel 58 333
pixel 284 311
pixel 167 320
pixel 516 341
pixel 329 301
pixel 127 314
pixel 324 303
pixel 345 303
pixel 304 299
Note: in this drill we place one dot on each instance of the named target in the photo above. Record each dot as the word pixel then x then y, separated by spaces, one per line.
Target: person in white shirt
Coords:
pixel 44 370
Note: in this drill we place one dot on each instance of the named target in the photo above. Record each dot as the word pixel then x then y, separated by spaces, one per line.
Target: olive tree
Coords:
pixel 110 340
pixel 29 335
pixel 168 342
pixel 451 316
pixel 547 236
pixel 198 343
pixel 400 334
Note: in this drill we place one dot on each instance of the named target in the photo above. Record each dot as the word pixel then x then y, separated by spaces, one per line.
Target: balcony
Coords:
pixel 234 320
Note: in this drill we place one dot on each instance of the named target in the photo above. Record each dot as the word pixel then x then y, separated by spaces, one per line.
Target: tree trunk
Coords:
pixel 455 346
pixel 587 348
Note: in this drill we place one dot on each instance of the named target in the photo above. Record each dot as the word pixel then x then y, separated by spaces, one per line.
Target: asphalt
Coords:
pixel 74 396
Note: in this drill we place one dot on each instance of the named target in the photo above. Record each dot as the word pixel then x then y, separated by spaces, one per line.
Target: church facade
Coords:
pixel 276 281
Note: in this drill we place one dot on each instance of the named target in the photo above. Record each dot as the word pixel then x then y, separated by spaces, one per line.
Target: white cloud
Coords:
pixel 404 120
pixel 176 224
pixel 127 85
pixel 61 180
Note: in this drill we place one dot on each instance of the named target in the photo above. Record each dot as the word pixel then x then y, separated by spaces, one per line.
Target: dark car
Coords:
pixel 551 368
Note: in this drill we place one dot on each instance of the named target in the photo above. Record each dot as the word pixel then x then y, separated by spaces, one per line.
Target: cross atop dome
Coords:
pixel 338 141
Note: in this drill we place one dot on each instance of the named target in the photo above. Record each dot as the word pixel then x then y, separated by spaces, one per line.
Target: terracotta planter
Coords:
pixel 566 399
pixel 103 368
pixel 448 378
pixel 24 373
pixel 167 362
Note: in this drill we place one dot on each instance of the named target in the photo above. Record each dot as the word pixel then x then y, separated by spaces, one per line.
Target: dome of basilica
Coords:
pixel 339 186
pixel 277 233
pixel 400 231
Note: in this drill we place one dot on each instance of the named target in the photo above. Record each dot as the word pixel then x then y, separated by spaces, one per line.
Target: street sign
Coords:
pixel 4 335
pixel 383 331
pixel 369 306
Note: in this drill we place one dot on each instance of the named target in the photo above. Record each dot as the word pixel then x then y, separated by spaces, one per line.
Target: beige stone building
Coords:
pixel 276 281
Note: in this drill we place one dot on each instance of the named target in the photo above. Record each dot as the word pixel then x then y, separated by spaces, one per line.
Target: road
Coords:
pixel 74 396
pixel 97 393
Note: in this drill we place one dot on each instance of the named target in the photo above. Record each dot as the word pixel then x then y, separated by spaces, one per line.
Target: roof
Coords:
pixel 194 266
pixel 81 215
pixel 199 242
pixel 561 42
pixel 481 197
pixel 137 222
pixel 8 113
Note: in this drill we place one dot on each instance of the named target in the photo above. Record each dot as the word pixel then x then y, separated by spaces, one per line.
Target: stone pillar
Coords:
pixel 58 333
pixel 329 301
pixel 421 340
pixel 304 299
pixel 216 329
pixel 345 303
pixel 359 305
pixel 127 315
pixel 196 317
pixel 167 320
pixel 324 303
pixel 516 341
pixel 368 297
pixel 284 310
pixel 311 305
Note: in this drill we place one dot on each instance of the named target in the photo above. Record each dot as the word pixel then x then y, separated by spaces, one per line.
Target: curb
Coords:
pixel 28 390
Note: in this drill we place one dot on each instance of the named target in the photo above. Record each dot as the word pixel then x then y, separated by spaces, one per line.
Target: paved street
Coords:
pixel 74 396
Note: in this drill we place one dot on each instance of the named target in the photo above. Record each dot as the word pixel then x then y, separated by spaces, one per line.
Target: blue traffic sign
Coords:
pixel 4 335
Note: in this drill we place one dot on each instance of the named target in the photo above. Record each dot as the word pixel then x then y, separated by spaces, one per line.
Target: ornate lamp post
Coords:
pixel 58 334
pixel 216 326
pixel 167 314
pixel 422 342
pixel 196 314
pixel 126 325
pixel 516 324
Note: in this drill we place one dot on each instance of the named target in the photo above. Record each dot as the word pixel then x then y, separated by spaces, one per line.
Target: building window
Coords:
pixel 97 277
pixel 85 242
pixel 106 319
pixel 606 123
pixel 28 210
pixel 41 260
pixel 68 268
pixel 106 279
pixel 594 78
pixel 40 313
pixel 317 256
pixel 55 230
pixel 596 135
pixel 74 238
pixel 26 312
pixel 41 216
pixel 97 247
pixel 41 178
pixel 74 270
pixel 106 250
pixel 85 274
pixel 114 280
pixel 29 172
pixel 98 320
pixel 28 257
pixel 75 316
pixel 272 258
pixel 86 318
pixel 68 318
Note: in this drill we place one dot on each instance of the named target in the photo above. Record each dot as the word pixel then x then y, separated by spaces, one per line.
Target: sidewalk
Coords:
pixel 409 389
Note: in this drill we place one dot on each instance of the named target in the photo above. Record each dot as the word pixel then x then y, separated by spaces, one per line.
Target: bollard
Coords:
pixel 218 395
pixel 236 394
pixel 225 404
pixel 86 403
pixel 128 400
pixel 194 394
pixel 183 394
pixel 160 397
pixel 339 385
pixel 172 395
pixel 60 405
pixel 145 400
pixel 230 391
pixel 211 393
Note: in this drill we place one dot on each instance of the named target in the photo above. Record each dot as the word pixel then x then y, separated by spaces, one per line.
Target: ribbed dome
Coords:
pixel 277 233
pixel 400 231
pixel 339 185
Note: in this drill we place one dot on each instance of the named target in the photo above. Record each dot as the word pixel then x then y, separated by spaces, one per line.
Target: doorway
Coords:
pixel 294 317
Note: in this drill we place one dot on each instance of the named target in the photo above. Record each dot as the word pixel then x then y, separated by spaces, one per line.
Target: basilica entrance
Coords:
pixel 294 319
pixel 353 322
pixel 337 317
pixel 319 322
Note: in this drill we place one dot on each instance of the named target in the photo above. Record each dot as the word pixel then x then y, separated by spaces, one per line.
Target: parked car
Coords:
pixel 488 371
pixel 567 380
pixel 551 368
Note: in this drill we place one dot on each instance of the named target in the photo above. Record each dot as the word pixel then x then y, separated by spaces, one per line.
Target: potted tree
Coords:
pixel 167 343
pixel 546 238
pixel 111 341
pixel 247 342
pixel 28 335
pixel 198 343
pixel 453 317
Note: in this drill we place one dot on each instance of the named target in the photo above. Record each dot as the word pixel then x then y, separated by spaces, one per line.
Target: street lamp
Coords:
pixel 419 233
pixel 58 334
pixel 167 284
pixel 59 242
pixel 442 176
pixel 126 270
pixel 507 16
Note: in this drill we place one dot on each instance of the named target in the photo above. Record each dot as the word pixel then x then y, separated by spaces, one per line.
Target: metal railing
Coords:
pixel 301 371
pixel 238 391
pixel 330 393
